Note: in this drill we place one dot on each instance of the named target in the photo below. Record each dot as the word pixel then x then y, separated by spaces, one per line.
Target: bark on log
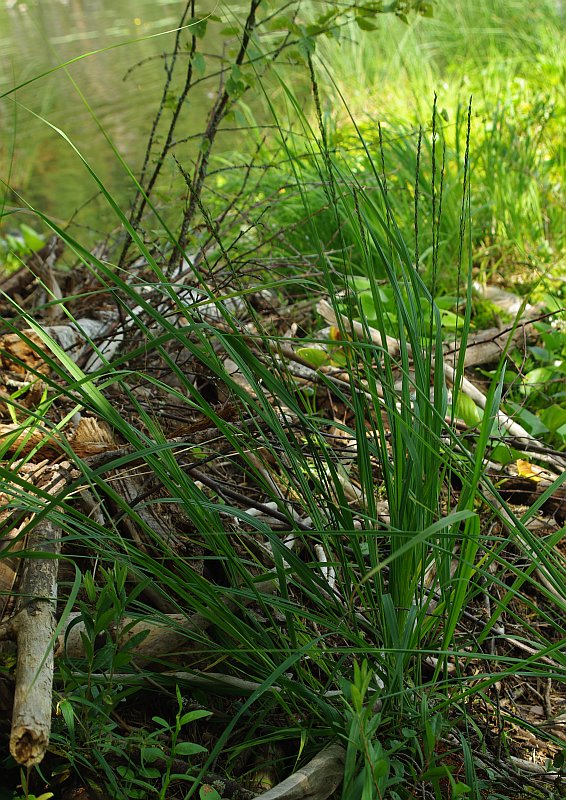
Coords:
pixel 35 626
pixel 486 347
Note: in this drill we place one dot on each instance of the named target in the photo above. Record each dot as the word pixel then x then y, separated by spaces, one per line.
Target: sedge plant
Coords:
pixel 347 621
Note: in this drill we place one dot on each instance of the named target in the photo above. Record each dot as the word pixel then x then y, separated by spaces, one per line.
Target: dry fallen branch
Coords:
pixel 34 627
pixel 487 347
pixel 521 436
pixel 165 637
pixel 12 522
pixel 317 780
pixel 353 326
pixel 483 347
pixel 215 682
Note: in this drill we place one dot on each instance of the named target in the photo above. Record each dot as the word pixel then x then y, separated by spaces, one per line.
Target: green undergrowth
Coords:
pixel 19 245
pixel 384 602
pixel 514 70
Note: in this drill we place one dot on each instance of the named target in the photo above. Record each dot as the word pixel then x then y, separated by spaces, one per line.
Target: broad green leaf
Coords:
pixel 188 749
pixel 435 772
pixel 208 792
pixel 449 320
pixel 425 10
pixel 537 379
pixel 234 87
pixel 150 772
pixel 381 768
pixel 151 754
pixel 447 301
pixel 280 22
pixel 33 240
pixel 327 16
pixel 359 283
pixel 314 355
pixel 199 64
pixel 192 716
pixel 540 353
pixel 503 454
pixel 467 410
pixel 368 306
pixel 198 28
pixel 365 25
pixel 528 420
pixel 554 417
pixel 65 707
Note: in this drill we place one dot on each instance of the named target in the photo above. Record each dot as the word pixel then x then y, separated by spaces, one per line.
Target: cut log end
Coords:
pixel 28 746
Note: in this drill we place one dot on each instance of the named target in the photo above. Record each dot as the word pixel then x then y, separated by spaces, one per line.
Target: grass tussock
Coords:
pixel 287 510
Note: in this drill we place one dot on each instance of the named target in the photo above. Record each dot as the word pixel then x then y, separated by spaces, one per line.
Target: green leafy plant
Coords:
pixel 16 247
pixel 160 754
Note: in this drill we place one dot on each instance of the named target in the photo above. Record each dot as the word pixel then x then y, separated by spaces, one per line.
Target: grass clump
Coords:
pixel 513 72
pixel 267 555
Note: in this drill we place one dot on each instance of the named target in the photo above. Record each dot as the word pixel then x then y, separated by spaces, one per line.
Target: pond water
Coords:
pixel 35 160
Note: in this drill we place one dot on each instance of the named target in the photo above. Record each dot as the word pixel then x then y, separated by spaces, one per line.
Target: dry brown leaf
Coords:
pixel 92 436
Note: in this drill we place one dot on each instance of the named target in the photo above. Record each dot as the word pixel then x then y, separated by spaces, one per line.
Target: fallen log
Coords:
pixel 34 628
pixel 163 637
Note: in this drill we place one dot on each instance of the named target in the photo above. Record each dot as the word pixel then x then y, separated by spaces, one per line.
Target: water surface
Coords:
pixel 35 159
